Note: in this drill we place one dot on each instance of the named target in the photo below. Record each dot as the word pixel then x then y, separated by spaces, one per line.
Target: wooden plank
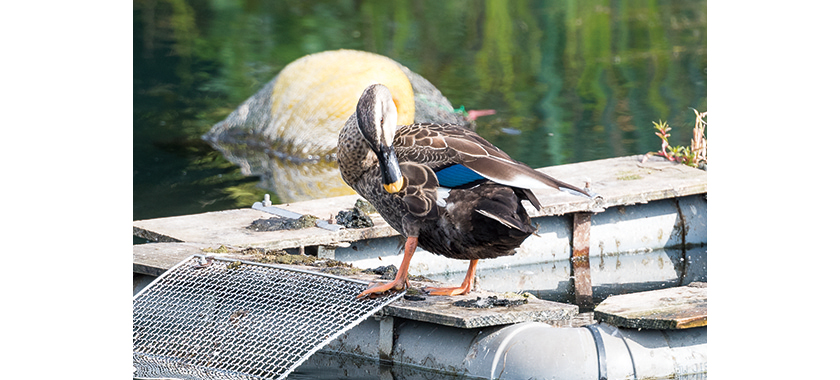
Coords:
pixel 673 308
pixel 229 227
pixel 155 258
pixel 441 310
pixel 620 181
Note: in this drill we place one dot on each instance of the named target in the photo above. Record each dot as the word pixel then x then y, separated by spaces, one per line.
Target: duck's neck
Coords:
pixel 355 157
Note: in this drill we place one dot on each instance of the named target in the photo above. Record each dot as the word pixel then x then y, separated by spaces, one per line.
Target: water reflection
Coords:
pixel 610 274
pixel 327 365
pixel 578 80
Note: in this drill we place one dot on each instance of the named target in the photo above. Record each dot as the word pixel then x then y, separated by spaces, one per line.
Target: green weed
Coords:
pixel 695 154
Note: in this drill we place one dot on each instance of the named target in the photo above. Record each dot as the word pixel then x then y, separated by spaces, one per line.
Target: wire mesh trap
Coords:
pixel 212 318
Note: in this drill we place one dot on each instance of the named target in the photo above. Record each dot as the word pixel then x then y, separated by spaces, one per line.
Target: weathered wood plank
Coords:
pixel 673 308
pixel 155 258
pixel 230 227
pixel 441 310
pixel 620 181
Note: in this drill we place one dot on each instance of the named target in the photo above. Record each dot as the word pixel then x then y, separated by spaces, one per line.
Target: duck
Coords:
pixel 441 186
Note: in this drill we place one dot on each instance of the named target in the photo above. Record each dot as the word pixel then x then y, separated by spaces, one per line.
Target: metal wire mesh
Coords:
pixel 231 320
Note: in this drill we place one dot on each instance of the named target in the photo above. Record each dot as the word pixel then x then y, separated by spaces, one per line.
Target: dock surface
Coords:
pixel 444 310
pixel 667 309
pixel 619 181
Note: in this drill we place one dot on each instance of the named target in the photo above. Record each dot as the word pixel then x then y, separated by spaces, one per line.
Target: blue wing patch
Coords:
pixel 457 176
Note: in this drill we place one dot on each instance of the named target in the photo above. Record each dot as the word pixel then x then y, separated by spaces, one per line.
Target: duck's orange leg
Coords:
pixel 401 279
pixel 465 287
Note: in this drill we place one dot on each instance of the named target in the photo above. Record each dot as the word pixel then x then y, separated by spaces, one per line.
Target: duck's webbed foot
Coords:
pixel 454 291
pixel 465 287
pixel 401 280
pixel 375 290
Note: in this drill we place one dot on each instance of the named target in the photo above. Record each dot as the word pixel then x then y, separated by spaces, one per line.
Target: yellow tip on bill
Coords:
pixel 396 186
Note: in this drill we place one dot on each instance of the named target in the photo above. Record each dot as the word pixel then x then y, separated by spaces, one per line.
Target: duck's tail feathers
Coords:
pixel 507 222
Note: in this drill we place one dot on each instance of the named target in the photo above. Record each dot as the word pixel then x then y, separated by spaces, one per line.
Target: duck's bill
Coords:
pixel 394 187
pixel 392 178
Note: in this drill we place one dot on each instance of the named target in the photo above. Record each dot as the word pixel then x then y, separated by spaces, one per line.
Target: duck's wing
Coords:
pixel 460 158
pixel 420 192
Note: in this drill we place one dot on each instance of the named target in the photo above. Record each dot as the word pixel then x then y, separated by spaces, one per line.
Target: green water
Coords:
pixel 570 81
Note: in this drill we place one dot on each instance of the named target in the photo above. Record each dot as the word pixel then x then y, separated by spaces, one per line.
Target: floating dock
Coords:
pixel 646 232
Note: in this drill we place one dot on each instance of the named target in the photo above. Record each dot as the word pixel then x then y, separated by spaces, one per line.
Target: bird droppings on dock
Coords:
pixel 365 206
pixel 488 302
pixel 221 249
pixel 357 217
pixel 389 272
pixel 278 223
pixel 414 294
pixel 386 272
pixel 341 270
pixel 280 256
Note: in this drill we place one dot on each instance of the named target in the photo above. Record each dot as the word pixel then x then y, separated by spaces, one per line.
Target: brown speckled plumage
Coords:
pixel 456 230
pixel 484 220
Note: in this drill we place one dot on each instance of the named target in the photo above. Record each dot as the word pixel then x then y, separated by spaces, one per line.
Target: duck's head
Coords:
pixel 376 117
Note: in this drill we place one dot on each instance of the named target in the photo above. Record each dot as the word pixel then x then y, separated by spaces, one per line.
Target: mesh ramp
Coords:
pixel 212 318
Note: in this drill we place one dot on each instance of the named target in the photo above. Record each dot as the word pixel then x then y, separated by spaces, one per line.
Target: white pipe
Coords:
pixel 537 350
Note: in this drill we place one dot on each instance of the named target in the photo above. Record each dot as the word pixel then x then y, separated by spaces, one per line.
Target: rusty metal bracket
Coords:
pixel 581 279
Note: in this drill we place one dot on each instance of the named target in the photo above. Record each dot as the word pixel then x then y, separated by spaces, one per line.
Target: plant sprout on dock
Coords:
pixel 695 154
